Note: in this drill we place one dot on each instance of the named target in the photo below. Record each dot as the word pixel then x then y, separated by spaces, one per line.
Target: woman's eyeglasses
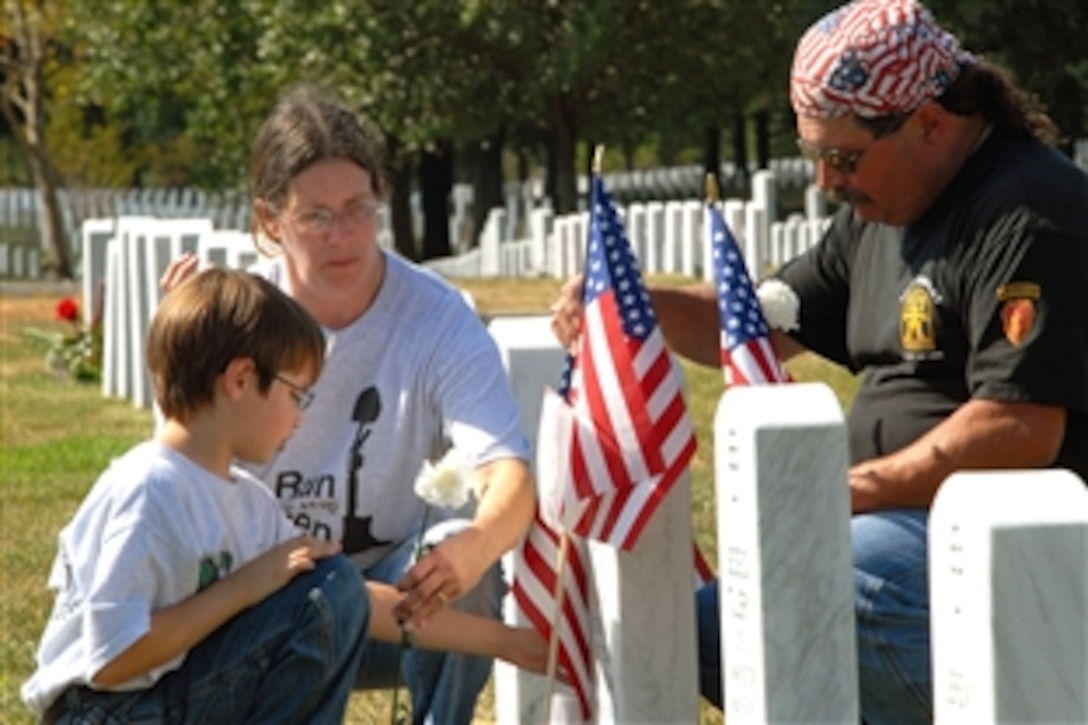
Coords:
pixel 320 220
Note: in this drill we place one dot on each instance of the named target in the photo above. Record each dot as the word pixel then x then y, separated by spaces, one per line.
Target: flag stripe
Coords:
pixel 534 591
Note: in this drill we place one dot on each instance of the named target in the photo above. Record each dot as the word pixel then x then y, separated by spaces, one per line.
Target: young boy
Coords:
pixel 184 592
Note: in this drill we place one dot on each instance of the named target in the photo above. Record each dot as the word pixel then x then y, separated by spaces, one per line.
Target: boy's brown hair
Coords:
pixel 220 315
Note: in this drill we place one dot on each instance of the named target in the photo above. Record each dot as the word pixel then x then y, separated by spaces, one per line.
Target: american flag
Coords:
pixel 535 590
pixel 635 436
pixel 746 353
pixel 628 438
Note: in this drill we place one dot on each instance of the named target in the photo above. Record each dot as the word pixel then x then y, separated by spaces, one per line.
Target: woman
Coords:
pixel 410 371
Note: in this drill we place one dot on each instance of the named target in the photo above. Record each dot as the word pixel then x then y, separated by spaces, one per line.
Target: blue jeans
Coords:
pixel 444 686
pixel 292 658
pixel 891 601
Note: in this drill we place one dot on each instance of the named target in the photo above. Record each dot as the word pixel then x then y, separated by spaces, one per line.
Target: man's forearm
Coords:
pixel 981 434
pixel 689 320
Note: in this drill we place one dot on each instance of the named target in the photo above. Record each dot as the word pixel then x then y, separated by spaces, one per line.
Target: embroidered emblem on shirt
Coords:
pixel 917 318
pixel 1018 310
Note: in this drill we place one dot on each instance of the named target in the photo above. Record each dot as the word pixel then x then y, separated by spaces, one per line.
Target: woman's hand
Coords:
pixel 179 270
pixel 444 573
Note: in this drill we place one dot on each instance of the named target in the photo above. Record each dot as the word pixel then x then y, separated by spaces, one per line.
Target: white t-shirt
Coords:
pixel 414 374
pixel 155 529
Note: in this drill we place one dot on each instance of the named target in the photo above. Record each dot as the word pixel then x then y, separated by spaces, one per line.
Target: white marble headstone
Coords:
pixel 533 361
pixel 95 235
pixel 644 620
pixel 112 323
pixel 135 234
pixel 789 649
pixel 1009 597
pixel 643 627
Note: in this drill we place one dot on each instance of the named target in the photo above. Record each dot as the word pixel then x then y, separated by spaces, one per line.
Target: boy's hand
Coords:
pixel 523 647
pixel 272 570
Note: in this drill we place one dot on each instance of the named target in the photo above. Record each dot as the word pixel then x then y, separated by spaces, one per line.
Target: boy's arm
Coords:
pixel 179 627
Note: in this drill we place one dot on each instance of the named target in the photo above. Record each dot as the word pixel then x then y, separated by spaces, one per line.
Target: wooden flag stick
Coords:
pixel 557 617
pixel 710 189
pixel 598 159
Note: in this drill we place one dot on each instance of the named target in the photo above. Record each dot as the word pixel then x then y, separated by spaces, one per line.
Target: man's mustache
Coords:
pixel 846 196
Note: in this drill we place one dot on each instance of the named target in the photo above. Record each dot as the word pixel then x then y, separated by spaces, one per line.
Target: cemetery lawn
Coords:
pixel 56 436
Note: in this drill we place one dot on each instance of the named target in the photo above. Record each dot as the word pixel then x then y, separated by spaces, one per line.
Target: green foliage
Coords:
pixel 170 93
pixel 1042 42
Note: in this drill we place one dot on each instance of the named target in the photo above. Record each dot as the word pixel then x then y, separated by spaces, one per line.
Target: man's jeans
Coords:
pixel 891 601
pixel 292 658
pixel 443 686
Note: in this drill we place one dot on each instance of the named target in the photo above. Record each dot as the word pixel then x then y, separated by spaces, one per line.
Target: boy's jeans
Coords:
pixel 891 601
pixel 443 686
pixel 292 658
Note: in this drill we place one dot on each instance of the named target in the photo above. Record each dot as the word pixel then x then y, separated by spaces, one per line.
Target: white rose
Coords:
pixel 781 306
pixel 445 483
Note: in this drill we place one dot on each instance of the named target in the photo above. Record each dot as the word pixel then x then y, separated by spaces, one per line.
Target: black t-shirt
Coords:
pixel 986 296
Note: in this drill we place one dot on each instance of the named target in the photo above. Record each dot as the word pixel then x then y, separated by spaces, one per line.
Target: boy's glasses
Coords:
pixel 302 397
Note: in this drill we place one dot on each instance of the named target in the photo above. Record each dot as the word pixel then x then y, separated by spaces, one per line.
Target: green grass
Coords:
pixel 56 436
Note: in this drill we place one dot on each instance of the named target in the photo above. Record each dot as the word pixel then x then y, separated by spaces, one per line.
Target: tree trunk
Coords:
pixel 54 242
pixel 561 124
pixel 400 205
pixel 551 166
pixel 487 180
pixel 25 89
pixel 763 138
pixel 740 148
pixel 712 157
pixel 436 184
pixel 666 148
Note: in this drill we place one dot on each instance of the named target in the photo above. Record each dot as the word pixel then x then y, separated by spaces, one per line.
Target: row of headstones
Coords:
pixel 19 261
pixel 1008 579
pixel 231 210
pixel 668 238
pixel 124 259
pixel 19 207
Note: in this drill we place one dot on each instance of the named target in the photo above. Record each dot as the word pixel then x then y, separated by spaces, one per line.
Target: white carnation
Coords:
pixel 445 483
pixel 781 307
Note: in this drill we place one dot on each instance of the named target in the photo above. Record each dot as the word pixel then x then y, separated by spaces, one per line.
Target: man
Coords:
pixel 951 278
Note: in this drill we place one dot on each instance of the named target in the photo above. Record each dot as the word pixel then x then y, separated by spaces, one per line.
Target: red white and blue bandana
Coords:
pixel 873 58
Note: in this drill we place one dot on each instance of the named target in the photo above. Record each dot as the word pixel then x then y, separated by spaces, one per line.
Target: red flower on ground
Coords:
pixel 67 309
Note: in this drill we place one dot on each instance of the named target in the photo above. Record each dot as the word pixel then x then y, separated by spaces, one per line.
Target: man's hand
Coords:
pixel 567 312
